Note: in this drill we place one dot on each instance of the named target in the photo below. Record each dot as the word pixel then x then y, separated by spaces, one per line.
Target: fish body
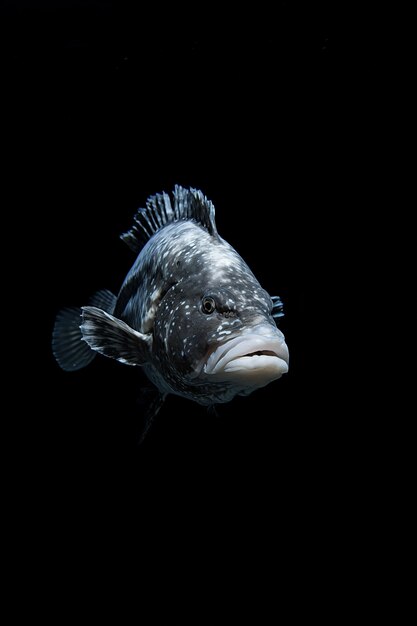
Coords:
pixel 190 311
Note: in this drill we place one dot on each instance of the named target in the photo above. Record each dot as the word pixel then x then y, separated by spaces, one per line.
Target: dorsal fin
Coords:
pixel 188 204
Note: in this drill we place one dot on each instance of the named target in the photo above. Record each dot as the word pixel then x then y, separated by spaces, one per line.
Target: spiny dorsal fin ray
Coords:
pixel 188 204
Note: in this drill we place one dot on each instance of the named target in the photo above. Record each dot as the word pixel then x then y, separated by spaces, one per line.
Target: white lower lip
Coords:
pixel 236 355
pixel 258 362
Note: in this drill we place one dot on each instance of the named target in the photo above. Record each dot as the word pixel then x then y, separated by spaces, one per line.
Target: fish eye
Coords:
pixel 208 305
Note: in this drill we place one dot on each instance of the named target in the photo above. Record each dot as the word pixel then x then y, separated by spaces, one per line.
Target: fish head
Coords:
pixel 221 336
pixel 247 349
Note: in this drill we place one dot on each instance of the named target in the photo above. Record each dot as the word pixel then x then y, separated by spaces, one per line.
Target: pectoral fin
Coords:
pixel 277 307
pixel 114 338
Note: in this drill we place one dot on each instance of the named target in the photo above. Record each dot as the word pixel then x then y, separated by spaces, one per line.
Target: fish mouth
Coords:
pixel 254 358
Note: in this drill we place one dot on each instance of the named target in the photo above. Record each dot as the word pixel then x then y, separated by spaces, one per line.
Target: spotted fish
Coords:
pixel 190 312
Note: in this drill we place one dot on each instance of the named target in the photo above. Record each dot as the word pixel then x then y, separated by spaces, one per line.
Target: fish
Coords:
pixel 189 312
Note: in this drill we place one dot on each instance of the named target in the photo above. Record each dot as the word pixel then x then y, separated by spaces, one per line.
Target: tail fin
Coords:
pixel 70 352
pixel 68 347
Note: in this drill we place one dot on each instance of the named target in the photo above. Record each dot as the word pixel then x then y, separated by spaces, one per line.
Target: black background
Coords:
pixel 105 106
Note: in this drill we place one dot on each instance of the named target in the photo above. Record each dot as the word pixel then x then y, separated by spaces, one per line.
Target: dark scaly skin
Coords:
pixel 162 295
